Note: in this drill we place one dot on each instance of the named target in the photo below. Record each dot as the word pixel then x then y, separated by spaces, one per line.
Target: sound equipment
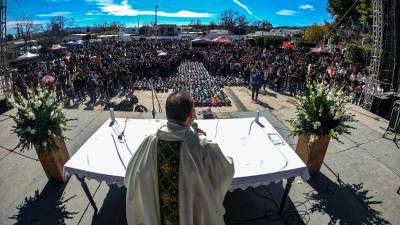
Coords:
pixel 395 116
pixel 394 120
pixel 381 104
pixel 4 107
pixel 125 105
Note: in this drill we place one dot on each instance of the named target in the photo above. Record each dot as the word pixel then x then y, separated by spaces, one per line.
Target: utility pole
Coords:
pixel 3 34
pixel 4 76
pixel 156 26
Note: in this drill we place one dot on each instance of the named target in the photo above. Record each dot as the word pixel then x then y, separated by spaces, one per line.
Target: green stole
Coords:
pixel 168 154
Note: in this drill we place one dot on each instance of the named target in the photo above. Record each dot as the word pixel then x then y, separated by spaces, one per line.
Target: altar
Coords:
pixel 259 153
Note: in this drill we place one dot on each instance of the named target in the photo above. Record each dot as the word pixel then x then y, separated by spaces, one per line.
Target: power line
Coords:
pixel 20 8
pixel 341 19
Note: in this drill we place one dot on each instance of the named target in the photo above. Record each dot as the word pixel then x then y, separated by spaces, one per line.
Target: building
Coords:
pixel 219 32
pixel 290 34
pixel 167 30
pixel 132 30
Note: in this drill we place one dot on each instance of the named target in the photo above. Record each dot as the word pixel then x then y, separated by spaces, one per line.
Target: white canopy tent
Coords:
pixel 202 40
pixel 26 56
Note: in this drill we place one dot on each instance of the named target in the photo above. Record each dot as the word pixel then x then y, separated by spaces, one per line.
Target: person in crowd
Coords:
pixel 255 83
pixel 176 176
pixel 120 67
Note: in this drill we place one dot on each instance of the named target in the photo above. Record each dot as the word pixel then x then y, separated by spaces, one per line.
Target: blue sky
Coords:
pixel 89 12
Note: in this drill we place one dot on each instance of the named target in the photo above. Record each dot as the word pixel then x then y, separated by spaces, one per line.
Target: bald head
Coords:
pixel 179 106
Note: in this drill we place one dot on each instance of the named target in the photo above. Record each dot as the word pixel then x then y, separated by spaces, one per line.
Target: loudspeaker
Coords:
pixel 3 105
pixel 394 117
pixel 381 104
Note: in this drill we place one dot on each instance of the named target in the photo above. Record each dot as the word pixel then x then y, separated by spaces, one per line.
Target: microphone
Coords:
pixel 197 130
pixel 123 131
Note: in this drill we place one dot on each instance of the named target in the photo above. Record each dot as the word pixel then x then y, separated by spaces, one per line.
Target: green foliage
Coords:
pixel 39 118
pixel 365 10
pixel 322 112
pixel 269 40
pixel 339 8
pixel 357 54
pixel 362 12
pixel 316 33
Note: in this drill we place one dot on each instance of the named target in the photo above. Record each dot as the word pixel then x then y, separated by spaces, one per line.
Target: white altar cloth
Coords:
pixel 256 159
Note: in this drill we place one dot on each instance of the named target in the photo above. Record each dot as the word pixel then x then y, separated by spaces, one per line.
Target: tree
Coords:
pixel 241 25
pixel 212 25
pixel 195 23
pixel 56 27
pixel 357 54
pixel 316 33
pixel 339 8
pixel 101 25
pixel 361 12
pixel 365 10
pixel 227 18
pixel 25 29
pixel 264 25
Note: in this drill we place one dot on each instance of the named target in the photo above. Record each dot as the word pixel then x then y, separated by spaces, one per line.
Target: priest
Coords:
pixel 177 176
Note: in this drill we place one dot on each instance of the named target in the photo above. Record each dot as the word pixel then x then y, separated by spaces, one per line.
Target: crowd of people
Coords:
pixel 106 69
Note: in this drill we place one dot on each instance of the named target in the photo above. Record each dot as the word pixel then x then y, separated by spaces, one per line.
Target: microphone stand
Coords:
pixel 121 135
pixel 153 111
pixel 153 94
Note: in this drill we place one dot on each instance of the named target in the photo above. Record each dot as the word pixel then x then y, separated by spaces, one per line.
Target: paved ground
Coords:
pixel 357 184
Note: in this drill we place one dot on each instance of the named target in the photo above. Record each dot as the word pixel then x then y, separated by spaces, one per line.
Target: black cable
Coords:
pixel 21 9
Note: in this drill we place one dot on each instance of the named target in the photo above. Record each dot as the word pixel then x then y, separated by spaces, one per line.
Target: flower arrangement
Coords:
pixel 39 119
pixel 322 112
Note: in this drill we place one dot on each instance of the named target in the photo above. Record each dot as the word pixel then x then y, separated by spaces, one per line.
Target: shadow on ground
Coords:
pixel 336 199
pixel 260 205
pixel 113 210
pixel 264 104
pixel 46 208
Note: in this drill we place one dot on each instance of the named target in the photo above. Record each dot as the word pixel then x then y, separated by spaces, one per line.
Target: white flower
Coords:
pixel 48 103
pixel 316 125
pixel 312 138
pixel 18 106
pixel 31 115
pixel 38 104
pixel 44 144
pixel 330 96
pixel 337 116
pixel 49 132
pixel 33 131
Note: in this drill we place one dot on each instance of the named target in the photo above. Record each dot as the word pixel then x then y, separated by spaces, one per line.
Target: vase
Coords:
pixel 312 154
pixel 53 160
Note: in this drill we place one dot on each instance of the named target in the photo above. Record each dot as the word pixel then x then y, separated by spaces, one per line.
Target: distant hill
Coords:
pixel 292 27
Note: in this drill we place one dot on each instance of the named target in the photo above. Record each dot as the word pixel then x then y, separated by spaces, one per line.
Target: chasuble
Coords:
pixel 184 174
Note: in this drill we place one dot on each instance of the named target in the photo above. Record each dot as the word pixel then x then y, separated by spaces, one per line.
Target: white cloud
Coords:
pixel 36 25
pixel 124 9
pixel 286 12
pixel 94 13
pixel 54 14
pixel 100 2
pixel 243 6
pixel 307 6
pixel 85 19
